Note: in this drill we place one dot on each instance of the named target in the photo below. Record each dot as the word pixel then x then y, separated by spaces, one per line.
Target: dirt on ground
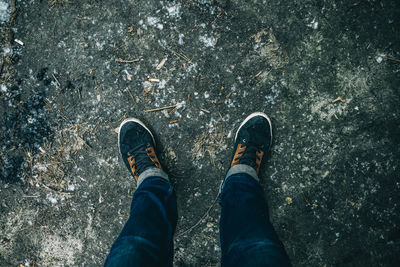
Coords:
pixel 327 72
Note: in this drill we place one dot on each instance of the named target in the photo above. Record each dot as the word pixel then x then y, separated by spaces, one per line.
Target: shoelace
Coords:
pixel 249 157
pixel 143 160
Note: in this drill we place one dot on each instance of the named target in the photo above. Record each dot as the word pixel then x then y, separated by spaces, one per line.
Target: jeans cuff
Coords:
pixel 151 172
pixel 242 168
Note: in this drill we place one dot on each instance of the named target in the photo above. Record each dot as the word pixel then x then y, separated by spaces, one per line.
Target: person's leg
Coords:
pixel 147 237
pixel 246 234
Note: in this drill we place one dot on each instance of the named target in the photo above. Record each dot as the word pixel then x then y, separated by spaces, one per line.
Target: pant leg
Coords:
pixel 247 236
pixel 147 237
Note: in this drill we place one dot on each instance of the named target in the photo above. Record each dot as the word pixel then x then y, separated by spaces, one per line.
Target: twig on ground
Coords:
pixel 198 145
pixel 76 126
pixel 120 60
pixel 113 72
pixel 13 10
pixel 129 91
pixel 338 99
pixel 55 78
pixel 84 142
pixel 180 55
pixel 153 80
pixel 391 59
pixel 258 74
pixel 158 109
pixel 159 66
pixel 2 66
pixel 54 190
pixel 123 117
pixel 46 227
pixel 199 221
pixel 118 48
pixel 94 131
pixel 19 42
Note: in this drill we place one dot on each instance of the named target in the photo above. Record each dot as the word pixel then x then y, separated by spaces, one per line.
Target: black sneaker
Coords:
pixel 136 145
pixel 253 139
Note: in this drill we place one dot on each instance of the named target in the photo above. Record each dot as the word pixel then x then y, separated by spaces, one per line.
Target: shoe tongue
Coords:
pixel 249 158
pixel 143 160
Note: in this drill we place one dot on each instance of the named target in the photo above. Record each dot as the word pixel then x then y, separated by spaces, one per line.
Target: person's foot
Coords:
pixel 253 139
pixel 136 145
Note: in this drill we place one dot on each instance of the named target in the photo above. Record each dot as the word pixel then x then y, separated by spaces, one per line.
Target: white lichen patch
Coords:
pixel 313 24
pixel 53 200
pixel 354 81
pixel 59 250
pixel 325 109
pixel 7 51
pixel 100 45
pixel 274 93
pixel 154 22
pixel 208 41
pixel 174 11
pixel 180 40
pixel 107 163
pixel 12 223
pixel 269 50
pixel 4 11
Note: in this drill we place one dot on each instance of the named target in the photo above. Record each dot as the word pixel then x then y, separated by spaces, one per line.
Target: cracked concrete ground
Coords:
pixel 327 72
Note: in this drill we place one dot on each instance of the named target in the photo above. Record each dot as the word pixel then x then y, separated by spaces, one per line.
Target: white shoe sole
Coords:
pixel 137 121
pixel 255 114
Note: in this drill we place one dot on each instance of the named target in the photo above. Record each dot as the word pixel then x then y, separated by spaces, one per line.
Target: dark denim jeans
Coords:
pixel 247 236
